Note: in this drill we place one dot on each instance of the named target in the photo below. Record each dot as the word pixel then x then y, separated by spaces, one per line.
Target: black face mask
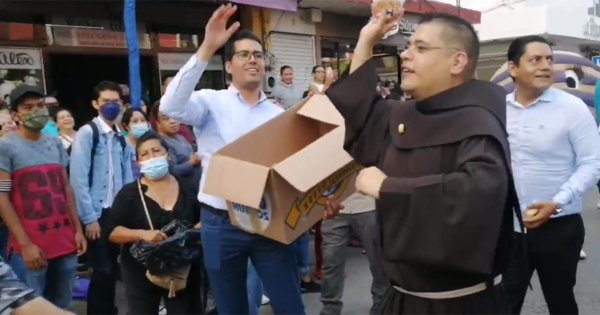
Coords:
pixel 53 110
pixel 126 99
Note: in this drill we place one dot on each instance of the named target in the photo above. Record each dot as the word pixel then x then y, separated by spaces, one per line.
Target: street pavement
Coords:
pixel 357 297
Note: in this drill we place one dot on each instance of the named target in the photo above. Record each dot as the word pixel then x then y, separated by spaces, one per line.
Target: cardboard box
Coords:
pixel 278 178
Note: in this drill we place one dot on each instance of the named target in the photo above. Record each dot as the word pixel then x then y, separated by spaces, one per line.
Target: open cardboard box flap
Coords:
pixel 314 163
pixel 320 108
pixel 239 181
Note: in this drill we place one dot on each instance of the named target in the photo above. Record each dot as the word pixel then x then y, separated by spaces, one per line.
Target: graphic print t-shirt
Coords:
pixel 38 192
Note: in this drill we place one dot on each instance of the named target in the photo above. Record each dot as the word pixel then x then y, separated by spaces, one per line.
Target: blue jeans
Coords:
pixel 55 282
pixel 303 246
pixel 226 253
pixel 255 290
pixel 18 266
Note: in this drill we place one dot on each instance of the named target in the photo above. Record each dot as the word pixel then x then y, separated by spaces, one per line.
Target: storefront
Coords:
pixel 570 25
pixel 213 77
pixel 338 42
pixel 83 43
pixel 20 65
pixel 290 41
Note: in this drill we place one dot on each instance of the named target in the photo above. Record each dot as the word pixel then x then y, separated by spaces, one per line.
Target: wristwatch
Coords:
pixel 558 208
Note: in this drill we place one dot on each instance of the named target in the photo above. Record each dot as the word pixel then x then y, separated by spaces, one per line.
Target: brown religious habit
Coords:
pixel 446 208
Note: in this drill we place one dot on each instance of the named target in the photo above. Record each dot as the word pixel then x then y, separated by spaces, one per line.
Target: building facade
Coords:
pixel 568 25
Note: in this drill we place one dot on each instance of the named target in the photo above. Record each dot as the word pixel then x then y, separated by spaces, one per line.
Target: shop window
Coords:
pixel 166 40
pixel 337 54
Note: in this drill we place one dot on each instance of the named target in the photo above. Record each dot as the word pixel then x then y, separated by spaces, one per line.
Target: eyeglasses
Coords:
pixel 245 54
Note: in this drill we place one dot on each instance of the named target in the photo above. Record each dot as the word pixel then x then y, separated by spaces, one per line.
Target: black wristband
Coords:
pixel 23 300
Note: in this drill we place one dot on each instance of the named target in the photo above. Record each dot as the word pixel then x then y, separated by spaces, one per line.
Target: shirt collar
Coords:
pixel 546 97
pixel 263 96
pixel 104 127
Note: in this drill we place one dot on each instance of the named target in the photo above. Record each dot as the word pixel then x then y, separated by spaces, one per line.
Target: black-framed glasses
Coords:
pixel 245 54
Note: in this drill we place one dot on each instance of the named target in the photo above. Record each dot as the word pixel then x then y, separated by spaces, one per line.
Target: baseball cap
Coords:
pixel 22 90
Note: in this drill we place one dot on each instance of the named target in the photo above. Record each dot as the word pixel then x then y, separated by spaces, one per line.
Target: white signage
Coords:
pixel 84 37
pixel 106 25
pixel 20 58
pixel 175 61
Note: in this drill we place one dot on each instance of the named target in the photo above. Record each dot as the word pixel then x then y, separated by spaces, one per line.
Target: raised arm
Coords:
pixel 180 101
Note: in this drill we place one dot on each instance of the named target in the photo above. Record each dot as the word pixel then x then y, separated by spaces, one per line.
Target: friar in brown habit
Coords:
pixel 438 167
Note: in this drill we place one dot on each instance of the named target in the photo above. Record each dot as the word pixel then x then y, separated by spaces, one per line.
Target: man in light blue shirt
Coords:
pixel 219 118
pixel 555 148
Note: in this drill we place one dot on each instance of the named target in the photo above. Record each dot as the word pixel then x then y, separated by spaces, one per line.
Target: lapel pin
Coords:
pixel 401 129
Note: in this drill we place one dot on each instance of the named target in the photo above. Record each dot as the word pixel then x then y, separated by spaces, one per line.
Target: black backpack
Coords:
pixel 95 140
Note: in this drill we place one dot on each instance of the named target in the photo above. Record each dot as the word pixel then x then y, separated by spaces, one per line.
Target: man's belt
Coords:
pixel 451 294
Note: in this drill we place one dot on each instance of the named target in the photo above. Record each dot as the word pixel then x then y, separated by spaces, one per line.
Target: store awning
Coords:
pixel 285 5
pixel 430 6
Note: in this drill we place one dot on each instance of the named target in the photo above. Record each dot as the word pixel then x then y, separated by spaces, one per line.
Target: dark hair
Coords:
pixel 107 86
pixel 517 48
pixel 129 113
pixel 229 49
pixel 154 116
pixel 54 112
pixel 150 135
pixel 458 31
pixel 285 68
pixel 314 70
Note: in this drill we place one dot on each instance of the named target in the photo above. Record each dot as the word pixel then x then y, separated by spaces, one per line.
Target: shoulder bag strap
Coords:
pixel 144 203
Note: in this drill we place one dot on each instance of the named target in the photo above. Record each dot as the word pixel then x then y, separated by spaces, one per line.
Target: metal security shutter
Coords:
pixel 297 51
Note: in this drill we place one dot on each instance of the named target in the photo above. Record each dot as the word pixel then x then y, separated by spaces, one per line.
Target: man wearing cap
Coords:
pixel 37 202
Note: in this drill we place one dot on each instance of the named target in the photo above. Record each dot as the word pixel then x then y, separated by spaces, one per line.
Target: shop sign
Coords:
pixel 19 66
pixel 20 58
pixel 175 61
pixel 285 5
pixel 86 37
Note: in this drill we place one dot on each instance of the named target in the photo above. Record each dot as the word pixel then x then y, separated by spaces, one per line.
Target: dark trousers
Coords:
pixel 553 251
pixel 226 253
pixel 102 257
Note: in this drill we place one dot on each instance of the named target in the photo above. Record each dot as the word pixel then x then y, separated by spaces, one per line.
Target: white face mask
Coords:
pixel 139 129
pixel 155 168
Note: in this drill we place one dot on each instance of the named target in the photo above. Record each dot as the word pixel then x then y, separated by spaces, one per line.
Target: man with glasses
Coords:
pixel 438 167
pixel 100 166
pixel 219 118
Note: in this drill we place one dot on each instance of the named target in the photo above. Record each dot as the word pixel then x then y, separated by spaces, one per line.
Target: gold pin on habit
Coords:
pixel 401 129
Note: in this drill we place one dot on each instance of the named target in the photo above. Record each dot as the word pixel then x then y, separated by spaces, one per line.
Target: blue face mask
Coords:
pixel 155 168
pixel 139 130
pixel 110 111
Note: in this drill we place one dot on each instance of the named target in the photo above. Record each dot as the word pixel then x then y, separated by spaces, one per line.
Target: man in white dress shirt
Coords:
pixel 219 118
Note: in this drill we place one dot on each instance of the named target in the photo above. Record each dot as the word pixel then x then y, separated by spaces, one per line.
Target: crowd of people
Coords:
pixel 465 192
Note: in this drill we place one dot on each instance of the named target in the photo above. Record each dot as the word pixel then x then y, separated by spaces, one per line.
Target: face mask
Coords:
pixel 155 168
pixel 139 130
pixel 36 120
pixel 110 111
